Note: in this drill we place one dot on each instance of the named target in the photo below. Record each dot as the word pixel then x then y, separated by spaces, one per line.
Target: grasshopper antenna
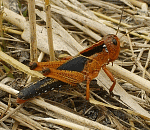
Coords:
pixel 126 33
pixel 120 20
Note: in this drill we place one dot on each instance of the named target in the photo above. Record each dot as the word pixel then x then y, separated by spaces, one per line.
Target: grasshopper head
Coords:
pixel 113 46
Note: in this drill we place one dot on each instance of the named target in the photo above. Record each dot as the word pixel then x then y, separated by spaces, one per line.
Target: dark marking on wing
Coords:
pixel 93 50
pixel 75 64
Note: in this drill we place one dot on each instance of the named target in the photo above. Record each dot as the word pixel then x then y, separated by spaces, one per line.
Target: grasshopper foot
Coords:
pixel 112 95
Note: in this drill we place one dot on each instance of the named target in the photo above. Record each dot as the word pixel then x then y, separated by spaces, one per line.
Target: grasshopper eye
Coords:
pixel 114 41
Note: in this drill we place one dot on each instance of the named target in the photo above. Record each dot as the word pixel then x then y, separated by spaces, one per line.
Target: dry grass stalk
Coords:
pixel 16 64
pixel 94 25
pixel 32 21
pixel 14 18
pixel 131 48
pixel 1 19
pixel 84 29
pixel 1 24
pixel 62 40
pixel 83 11
pixel 118 108
pixel 7 39
pixel 68 114
pixel 136 59
pixel 118 90
pixel 10 113
pixel 9 30
pixel 130 77
pixel 61 122
pixel 121 29
pixel 56 109
pixel 139 4
pixel 23 119
pixel 5 126
pixel 49 30
pixel 15 125
pixel 132 123
pixel 110 6
pixel 146 64
pixel 59 30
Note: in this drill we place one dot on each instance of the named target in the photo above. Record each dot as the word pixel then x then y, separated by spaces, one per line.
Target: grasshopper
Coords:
pixel 85 66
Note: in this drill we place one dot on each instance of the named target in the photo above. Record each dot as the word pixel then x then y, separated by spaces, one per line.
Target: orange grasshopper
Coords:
pixel 85 66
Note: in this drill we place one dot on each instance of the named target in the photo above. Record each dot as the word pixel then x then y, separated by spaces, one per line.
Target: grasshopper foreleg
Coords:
pixel 110 75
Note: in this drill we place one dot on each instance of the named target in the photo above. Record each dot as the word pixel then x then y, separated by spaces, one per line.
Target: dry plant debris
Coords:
pixel 76 25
